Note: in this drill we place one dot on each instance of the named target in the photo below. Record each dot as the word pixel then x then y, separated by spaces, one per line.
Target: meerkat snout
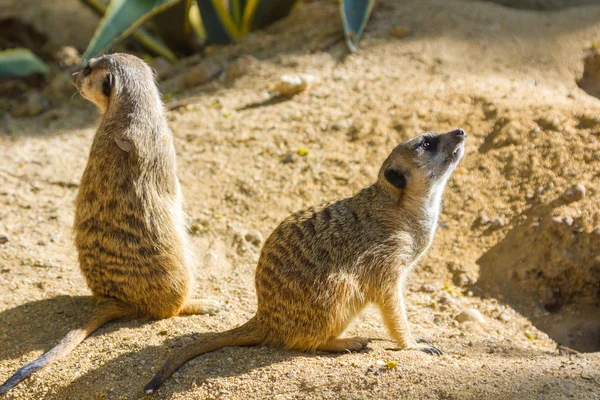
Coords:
pixel 95 82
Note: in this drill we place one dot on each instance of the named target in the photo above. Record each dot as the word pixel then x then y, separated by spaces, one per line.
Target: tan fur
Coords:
pixel 323 265
pixel 130 229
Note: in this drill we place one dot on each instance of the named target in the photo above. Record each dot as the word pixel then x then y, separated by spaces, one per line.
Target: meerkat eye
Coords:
pixel 426 144
pixel 87 70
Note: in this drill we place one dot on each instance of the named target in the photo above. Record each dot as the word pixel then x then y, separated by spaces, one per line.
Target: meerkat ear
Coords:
pixel 395 177
pixel 108 84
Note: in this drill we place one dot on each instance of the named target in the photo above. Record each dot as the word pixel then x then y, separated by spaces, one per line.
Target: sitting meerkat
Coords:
pixel 130 229
pixel 323 265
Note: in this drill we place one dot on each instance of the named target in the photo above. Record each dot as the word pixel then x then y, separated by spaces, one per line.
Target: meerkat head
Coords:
pixel 422 164
pixel 104 79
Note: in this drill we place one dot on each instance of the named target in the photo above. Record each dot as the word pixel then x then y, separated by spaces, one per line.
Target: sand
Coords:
pixel 508 244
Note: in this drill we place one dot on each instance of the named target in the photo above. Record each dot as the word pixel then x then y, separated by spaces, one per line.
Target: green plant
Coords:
pixel 180 23
pixel 212 21
pixel 20 62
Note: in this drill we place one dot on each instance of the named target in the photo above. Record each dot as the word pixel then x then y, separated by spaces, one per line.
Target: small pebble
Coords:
pixel 290 85
pixel 470 314
pixel 574 193
pixel 445 298
pixel 3 239
pixel 254 237
pixel 289 158
pixel 400 31
pixel 497 223
pixel 427 288
pixel 504 317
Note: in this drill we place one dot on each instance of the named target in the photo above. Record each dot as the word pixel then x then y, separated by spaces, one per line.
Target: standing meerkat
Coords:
pixel 323 265
pixel 130 229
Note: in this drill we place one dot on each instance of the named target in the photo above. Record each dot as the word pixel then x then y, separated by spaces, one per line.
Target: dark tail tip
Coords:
pixel 154 384
pixel 21 374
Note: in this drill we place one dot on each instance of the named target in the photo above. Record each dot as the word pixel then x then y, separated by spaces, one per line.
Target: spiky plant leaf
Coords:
pixel 121 19
pixel 218 24
pixel 355 14
pixel 20 62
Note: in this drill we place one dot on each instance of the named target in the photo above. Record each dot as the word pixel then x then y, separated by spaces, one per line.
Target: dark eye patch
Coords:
pixel 87 70
pixel 428 143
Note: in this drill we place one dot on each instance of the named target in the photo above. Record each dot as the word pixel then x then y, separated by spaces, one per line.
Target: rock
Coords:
pixel 290 85
pixel 463 279
pixel 548 124
pixel 445 299
pixel 163 69
pixel 67 56
pixel 341 125
pixel 200 74
pixel 464 273
pixel 504 317
pixel 568 220
pixel 289 158
pixel 241 67
pixel 574 193
pixel 3 239
pixel 497 223
pixel 31 105
pixel 254 237
pixel 400 31
pixel 428 288
pixel 470 314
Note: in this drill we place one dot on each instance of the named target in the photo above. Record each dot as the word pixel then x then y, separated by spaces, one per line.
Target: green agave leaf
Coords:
pixel 141 35
pixel 236 9
pixel 355 14
pixel 260 13
pixel 121 19
pixel 218 24
pixel 20 62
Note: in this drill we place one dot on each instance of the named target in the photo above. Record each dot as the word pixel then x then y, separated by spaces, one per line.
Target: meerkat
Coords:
pixel 323 265
pixel 130 228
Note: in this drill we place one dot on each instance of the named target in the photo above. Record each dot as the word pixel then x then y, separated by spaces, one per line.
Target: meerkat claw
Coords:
pixel 434 351
pixel 420 339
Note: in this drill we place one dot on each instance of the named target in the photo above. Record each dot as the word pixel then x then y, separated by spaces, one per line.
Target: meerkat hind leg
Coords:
pixel 201 306
pixel 340 345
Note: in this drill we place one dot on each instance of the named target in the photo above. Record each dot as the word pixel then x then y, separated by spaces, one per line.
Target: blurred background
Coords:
pixel 279 105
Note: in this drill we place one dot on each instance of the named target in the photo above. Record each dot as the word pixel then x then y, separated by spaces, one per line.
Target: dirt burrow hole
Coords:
pixel 550 272
pixel 590 81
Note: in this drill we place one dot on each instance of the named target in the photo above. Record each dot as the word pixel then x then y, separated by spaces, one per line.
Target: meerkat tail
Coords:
pixel 248 334
pixel 101 314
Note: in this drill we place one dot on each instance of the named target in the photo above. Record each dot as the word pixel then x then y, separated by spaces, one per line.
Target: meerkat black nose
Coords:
pixel 460 133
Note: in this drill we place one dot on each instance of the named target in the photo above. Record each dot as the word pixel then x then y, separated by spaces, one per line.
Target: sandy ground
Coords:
pixel 507 76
